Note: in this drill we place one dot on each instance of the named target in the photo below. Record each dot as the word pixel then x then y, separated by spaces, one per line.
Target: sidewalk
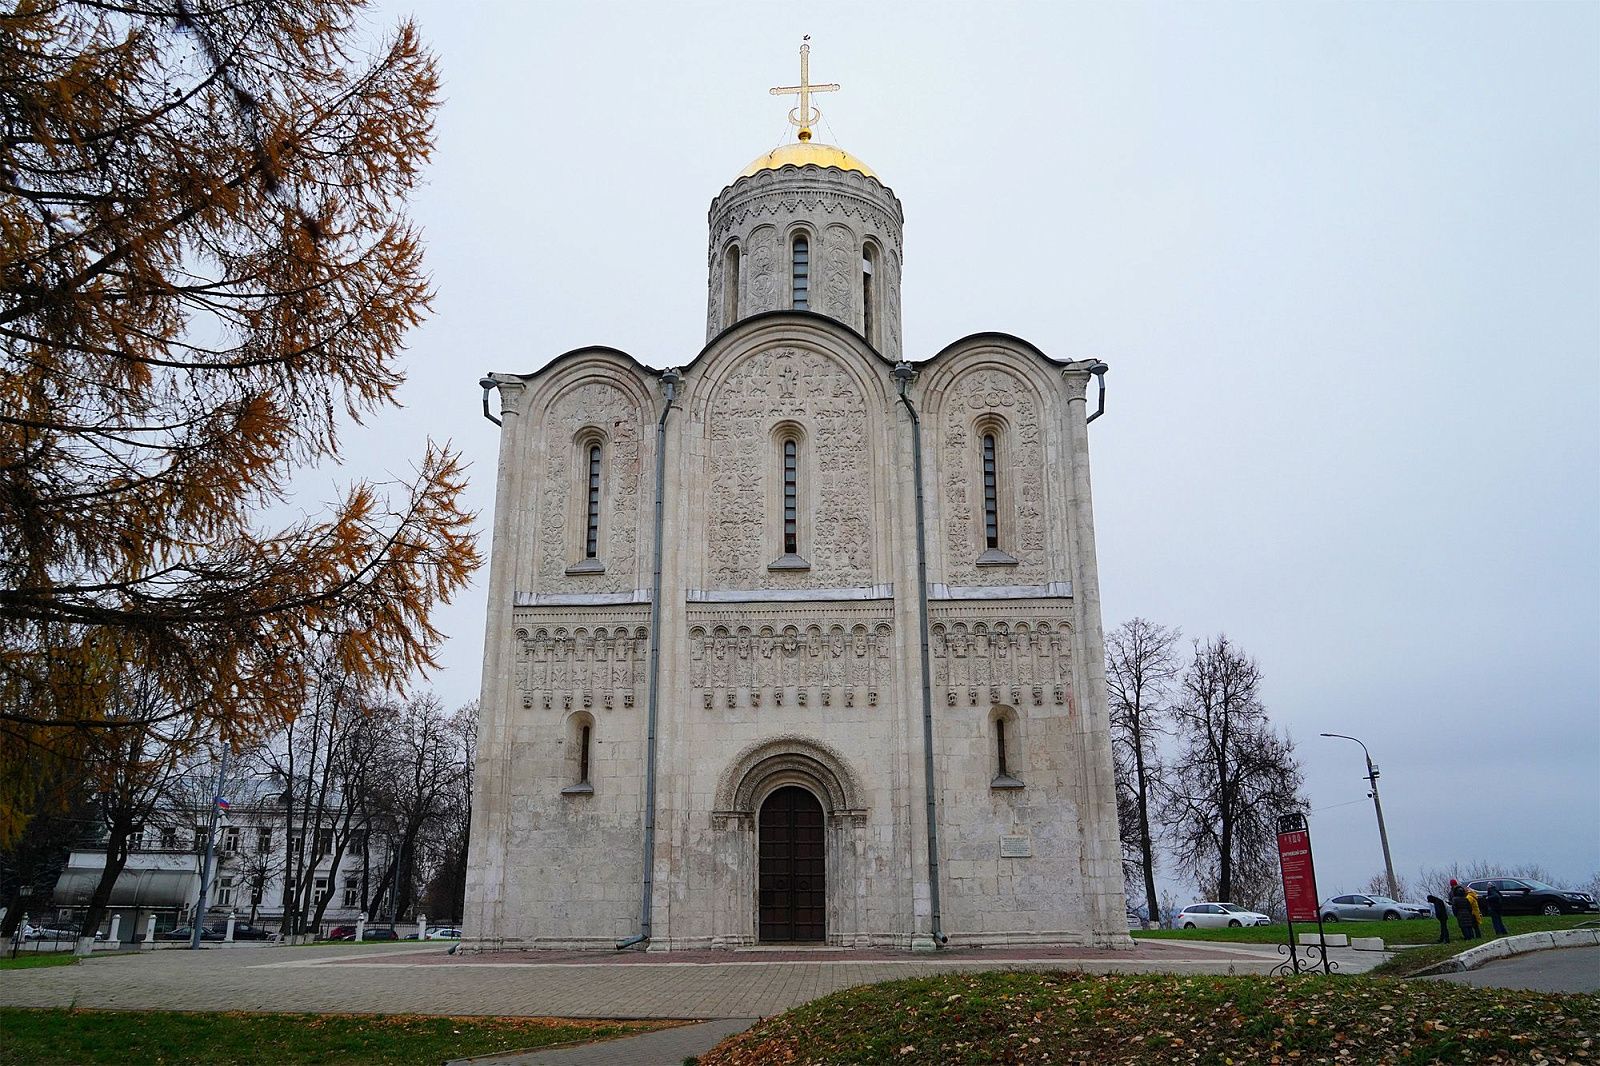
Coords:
pixel 414 979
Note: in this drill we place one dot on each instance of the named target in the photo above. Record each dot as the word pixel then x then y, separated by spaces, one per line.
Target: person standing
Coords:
pixel 1494 900
pixel 1462 909
pixel 1441 911
pixel 1477 911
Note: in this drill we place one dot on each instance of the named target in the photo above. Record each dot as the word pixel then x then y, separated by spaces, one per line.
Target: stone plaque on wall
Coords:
pixel 1015 848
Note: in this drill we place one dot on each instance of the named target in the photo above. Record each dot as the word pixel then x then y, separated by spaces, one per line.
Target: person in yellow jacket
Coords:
pixel 1477 912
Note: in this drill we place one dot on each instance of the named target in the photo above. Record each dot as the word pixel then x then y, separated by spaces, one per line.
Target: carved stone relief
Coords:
pixel 763 270
pixel 974 395
pixel 562 667
pixel 778 665
pixel 891 305
pixel 806 387
pixel 612 411
pixel 841 263
pixel 1023 664
pixel 716 312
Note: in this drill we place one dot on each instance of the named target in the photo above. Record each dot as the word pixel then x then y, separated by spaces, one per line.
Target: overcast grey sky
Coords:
pixel 1344 261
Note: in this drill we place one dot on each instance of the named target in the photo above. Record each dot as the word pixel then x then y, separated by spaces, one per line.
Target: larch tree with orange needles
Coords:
pixel 205 264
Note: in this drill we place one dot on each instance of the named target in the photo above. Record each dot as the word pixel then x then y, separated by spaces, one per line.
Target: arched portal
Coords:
pixel 792 873
pixel 789 808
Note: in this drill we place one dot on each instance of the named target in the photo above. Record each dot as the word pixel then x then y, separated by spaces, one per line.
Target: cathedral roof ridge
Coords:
pixel 960 343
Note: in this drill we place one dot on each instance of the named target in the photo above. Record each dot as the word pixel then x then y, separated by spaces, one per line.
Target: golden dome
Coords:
pixel 807 153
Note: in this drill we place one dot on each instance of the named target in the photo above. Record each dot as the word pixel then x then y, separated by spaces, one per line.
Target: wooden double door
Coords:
pixel 792 876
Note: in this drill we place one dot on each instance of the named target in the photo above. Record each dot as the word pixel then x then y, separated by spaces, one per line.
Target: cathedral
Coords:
pixel 799 640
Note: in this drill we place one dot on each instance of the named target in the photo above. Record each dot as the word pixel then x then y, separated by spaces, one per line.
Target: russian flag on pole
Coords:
pixel 222 804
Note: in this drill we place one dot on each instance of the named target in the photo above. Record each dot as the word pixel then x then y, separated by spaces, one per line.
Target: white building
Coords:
pixel 747 679
pixel 253 876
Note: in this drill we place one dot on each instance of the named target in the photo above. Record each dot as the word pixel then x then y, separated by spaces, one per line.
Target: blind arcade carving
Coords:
pixel 790 665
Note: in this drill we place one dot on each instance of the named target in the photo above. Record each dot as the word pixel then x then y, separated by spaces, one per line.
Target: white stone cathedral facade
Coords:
pixel 724 624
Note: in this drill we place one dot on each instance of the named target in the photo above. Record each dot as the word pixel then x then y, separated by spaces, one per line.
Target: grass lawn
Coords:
pixel 90 1036
pixel 30 960
pixel 1421 959
pixel 1410 931
pixel 1015 1017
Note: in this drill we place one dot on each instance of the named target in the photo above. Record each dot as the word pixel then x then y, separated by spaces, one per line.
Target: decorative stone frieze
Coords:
pixel 578 662
pixel 980 663
pixel 739 659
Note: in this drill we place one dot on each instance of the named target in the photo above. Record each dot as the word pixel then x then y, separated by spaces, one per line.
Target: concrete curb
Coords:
pixel 1520 944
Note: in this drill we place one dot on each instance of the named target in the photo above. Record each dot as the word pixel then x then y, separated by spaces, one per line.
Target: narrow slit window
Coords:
pixel 802 274
pixel 991 496
pixel 791 494
pixel 1000 745
pixel 591 537
pixel 866 296
pixel 583 756
pixel 731 287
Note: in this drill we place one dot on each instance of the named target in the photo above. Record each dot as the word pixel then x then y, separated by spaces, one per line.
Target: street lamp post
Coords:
pixel 1377 805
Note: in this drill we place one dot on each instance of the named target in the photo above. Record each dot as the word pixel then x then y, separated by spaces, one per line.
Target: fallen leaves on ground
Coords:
pixel 1015 1017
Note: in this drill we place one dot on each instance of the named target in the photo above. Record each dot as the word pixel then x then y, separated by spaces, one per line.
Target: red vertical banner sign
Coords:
pixel 1299 875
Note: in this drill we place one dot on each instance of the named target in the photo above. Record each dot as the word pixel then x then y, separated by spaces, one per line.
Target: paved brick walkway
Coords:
pixel 394 979
pixel 665 1047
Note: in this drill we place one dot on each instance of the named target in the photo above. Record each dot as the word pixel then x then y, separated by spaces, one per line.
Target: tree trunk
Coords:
pixel 1146 845
pixel 403 875
pixel 377 891
pixel 333 877
pixel 117 847
pixel 1225 861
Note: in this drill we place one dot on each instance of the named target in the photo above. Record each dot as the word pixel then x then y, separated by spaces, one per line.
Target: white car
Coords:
pixel 1217 916
pixel 444 933
pixel 1360 907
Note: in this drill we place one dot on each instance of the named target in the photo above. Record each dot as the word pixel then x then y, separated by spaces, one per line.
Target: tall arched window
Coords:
pixel 991 502
pixel 788 498
pixel 869 316
pixel 591 534
pixel 730 285
pixel 801 273
pixel 585 518
pixel 998 504
pixel 791 493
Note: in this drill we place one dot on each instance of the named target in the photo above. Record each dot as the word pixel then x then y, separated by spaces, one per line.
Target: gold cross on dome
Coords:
pixel 804 115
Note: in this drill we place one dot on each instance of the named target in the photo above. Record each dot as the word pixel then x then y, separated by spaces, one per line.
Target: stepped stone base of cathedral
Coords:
pixel 861 942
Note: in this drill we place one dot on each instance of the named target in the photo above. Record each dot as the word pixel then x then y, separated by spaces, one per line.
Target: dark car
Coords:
pixel 372 932
pixel 1523 895
pixel 246 931
pixel 184 932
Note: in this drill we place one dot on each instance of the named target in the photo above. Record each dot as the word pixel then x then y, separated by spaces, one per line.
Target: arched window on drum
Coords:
pixel 800 273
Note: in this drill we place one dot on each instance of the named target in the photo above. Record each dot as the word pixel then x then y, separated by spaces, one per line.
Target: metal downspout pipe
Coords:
pixel 1099 371
pixel 903 373
pixel 670 380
